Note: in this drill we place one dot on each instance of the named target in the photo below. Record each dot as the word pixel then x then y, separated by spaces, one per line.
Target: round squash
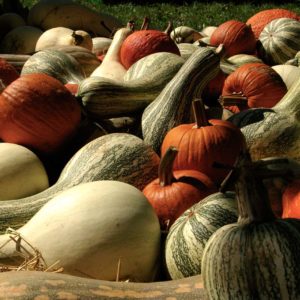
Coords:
pixel 22 172
pixel 92 228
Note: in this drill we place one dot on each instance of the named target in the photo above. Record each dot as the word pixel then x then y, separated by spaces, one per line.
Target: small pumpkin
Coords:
pixel 144 42
pixel 263 17
pixel 203 143
pixel 174 192
pixel 38 112
pixel 236 36
pixel 252 85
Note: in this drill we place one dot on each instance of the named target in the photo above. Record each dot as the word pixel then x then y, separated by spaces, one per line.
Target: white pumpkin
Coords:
pixel 22 172
pixel 92 228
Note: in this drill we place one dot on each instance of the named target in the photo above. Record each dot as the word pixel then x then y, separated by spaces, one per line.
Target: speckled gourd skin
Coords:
pixel 115 156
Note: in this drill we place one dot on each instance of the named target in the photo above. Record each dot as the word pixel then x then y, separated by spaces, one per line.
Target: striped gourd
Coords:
pixel 230 64
pixel 115 156
pixel 279 41
pixel 257 257
pixel 173 105
pixel 188 235
pixel 273 132
pixel 144 80
pixel 57 64
pixel 35 284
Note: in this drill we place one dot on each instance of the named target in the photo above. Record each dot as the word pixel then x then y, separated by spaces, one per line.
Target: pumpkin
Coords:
pixel 173 105
pixel 108 222
pixel 38 112
pixel 65 13
pixel 20 40
pixel 54 63
pixel 203 143
pixel 59 36
pixel 279 41
pixel 115 156
pixel 291 200
pixel 173 192
pixel 252 85
pixel 273 131
pixel 288 73
pixel 111 66
pixel 68 286
pixel 8 72
pixel 257 257
pixel 263 17
pixel 236 36
pixel 22 172
pixel 144 42
pixel 188 235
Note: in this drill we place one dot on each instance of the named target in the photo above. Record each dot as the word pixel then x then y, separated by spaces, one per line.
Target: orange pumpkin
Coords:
pixel 236 36
pixel 39 112
pixel 144 42
pixel 204 143
pixel 259 20
pixel 173 192
pixel 8 73
pixel 291 200
pixel 252 85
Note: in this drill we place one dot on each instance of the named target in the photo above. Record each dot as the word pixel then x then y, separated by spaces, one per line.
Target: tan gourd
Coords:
pixel 111 67
pixel 62 36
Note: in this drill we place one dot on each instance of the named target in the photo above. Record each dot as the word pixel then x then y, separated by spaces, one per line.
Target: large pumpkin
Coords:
pixel 236 36
pixel 252 85
pixel 37 111
pixel 259 20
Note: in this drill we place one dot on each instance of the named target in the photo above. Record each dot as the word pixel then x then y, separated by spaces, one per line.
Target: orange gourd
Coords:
pixel 39 112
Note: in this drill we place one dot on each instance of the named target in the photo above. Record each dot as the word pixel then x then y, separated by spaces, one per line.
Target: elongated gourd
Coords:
pixel 111 66
pixel 90 228
pixel 143 81
pixel 275 131
pixel 115 156
pixel 28 284
pixel 173 105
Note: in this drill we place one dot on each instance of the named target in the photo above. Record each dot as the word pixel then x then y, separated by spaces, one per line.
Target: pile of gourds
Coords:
pixel 138 163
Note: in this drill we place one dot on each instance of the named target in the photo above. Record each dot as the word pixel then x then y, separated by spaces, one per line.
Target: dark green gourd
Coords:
pixel 115 156
pixel 173 105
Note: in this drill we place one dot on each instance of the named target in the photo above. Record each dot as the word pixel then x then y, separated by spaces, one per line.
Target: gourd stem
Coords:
pixel 165 169
pixel 199 113
pixel 145 24
pixel 169 28
pixel 252 196
pixel 234 99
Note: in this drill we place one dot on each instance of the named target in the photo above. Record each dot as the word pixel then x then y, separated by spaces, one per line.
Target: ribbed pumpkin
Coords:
pixel 279 41
pixel 144 42
pixel 252 85
pixel 174 192
pixel 236 36
pixel 203 143
pixel 8 72
pixel 259 20
pixel 291 200
pixel 188 235
pixel 38 112
pixel 257 257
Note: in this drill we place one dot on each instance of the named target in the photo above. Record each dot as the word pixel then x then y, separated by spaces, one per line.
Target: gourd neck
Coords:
pixel 165 170
pixel 252 196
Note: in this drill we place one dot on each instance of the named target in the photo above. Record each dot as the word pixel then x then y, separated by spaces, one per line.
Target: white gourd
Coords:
pixel 22 172
pixel 288 73
pixel 93 228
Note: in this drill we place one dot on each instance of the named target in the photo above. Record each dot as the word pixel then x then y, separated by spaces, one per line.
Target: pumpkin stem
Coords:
pixel 237 99
pixel 165 169
pixel 169 28
pixel 145 24
pixel 199 113
pixel 252 196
